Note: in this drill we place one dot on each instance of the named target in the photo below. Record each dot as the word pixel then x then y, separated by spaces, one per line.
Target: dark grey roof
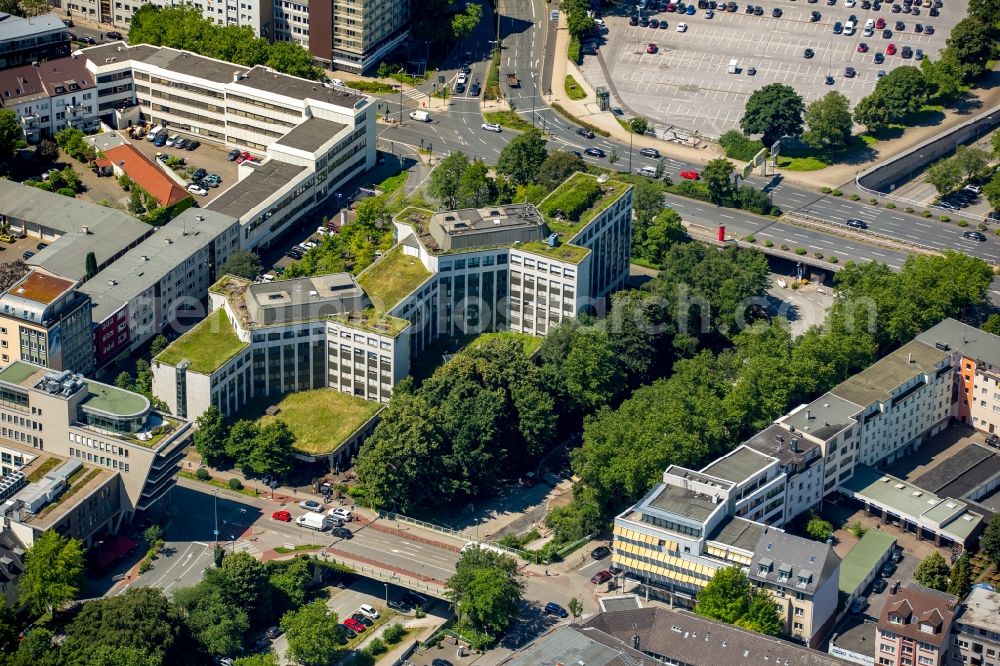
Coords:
pixel 11 556
pixel 569 644
pixel 264 78
pixel 17 28
pixel 255 188
pixel 738 533
pixel 824 417
pixel 690 639
pixel 311 135
pixel 961 473
pixel 120 51
pixel 791 557
pixel 739 465
pixel 877 382
pixel 766 441
pixel 185 62
pixel 682 502
pixel 969 341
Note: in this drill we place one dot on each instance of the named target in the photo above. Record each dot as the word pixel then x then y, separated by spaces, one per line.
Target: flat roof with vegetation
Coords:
pixel 113 400
pixel 569 207
pixel 371 321
pixel 207 346
pixel 321 419
pixel 392 278
pixel 573 254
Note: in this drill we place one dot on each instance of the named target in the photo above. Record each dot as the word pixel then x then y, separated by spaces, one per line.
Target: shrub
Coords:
pixel 66 192
pixel 784 247
pixel 571 203
pixel 739 146
pixel 800 250
pixel 836 193
pixel 825 190
pixel 961 223
pixel 235 484
pixel 795 285
pixel 854 196
pixel 857 529
pixel 394 633
pixel 925 213
pixel 873 201
pixel 908 209
pixel 203 474
pixel 376 647
pixel 833 259
pixel 768 243
pixel 890 205
pixel 750 239
pixel 981 226
pixel 574 51
pixel 420 613
pixel 145 566
pixel 818 255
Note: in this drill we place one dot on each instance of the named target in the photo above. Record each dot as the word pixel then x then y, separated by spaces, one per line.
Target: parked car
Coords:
pixel 690 175
pixel 808 53
pixel 858 605
pixel 849 72
pixel 41 246
pixel 414 599
pixel 27 255
pixel 879 585
pixel 398 606
pixel 601 577
pixel 354 625
pixel 651 48
pixel 552 608
pixel 198 174
pixel 889 568
pixel 283 515
pixel 233 154
pixel 192 144
pixel 890 50
pixel 897 552
pixel 369 611
pixel 311 505
pixel 600 552
pixel 273 632
pixel 114 34
pixel 195 188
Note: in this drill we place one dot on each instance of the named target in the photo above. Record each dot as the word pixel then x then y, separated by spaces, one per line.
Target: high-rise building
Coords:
pixel 352 35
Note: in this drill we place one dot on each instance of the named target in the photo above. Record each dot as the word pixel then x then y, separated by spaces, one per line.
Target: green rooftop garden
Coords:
pixel 17 372
pixel 322 419
pixel 207 346
pixel 562 252
pixel 391 278
pixel 369 320
pixel 113 400
pixel 577 201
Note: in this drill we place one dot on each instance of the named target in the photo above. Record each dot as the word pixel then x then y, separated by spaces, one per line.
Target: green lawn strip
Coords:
pixel 218 484
pixel 43 469
pixel 507 119
pixel 569 116
pixel 573 89
pixel 73 485
pixel 393 183
pixel 372 87
pixel 302 546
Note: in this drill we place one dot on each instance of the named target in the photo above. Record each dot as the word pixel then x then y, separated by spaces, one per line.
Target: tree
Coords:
pixel 992 324
pixel 987 11
pixel 10 134
pixel 819 529
pixel 289 581
pixel 211 436
pixel 8 628
pixel 613 156
pixel 475 187
pixel 638 125
pixel 902 91
pixel 773 111
pixel 973 43
pixel 933 572
pixel 446 179
pixel 118 655
pixel 241 263
pixel 653 242
pixel 973 163
pixel 312 634
pixel 870 113
pixel 960 578
pixel 486 590
pixel 240 442
pixel 992 189
pixel 273 449
pixel 944 74
pixel 575 608
pixel 53 572
pixel 384 70
pixel 591 372
pixel 557 167
pixel 647 201
pixel 47 152
pixel 828 122
pixel 265 659
pixel 718 174
pixel 212 616
pixel 522 158
pixel 463 23
pixel 91 265
pixel 990 541
pixel 945 175
pixel 158 344
pixel 763 615
pixel 726 597
pixel 292 59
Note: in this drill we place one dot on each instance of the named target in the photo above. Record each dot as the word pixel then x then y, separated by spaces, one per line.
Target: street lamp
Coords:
pixel 533 99
pixel 215 509
pixel 386 594
pixel 630 133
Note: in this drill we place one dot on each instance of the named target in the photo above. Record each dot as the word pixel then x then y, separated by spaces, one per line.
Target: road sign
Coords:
pixel 775 149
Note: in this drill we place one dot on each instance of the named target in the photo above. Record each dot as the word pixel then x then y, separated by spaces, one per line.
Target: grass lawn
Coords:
pixel 508 119
pixel 208 345
pixel 372 87
pixel 391 278
pixel 573 89
pixel 393 183
pixel 321 418
pixel 803 163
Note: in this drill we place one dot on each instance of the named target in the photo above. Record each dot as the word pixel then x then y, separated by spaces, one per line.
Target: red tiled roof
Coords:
pixel 146 174
pixel 102 162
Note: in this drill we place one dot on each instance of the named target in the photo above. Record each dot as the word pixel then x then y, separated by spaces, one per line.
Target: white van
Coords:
pixel 733 66
pixel 153 133
pixel 850 27
pixel 314 521
pixel 422 116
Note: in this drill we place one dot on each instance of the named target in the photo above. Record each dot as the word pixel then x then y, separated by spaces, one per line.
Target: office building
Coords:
pixel 352 35
pixel 34 39
pixel 120 454
pixel 915 627
pixel 49 96
pixel 976 637
pixel 45 320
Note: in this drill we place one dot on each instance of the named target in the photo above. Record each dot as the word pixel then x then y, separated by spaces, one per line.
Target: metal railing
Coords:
pixel 390 515
pixel 388 576
pixel 841 226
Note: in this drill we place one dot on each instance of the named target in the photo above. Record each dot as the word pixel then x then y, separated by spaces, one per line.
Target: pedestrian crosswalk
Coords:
pixel 413 93
pixel 243 545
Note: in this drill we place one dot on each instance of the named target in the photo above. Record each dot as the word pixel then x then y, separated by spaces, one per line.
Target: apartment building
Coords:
pixel 976 636
pixel 802 577
pixel 111 442
pixel 45 320
pixel 291 22
pixel 162 278
pixel 49 96
pixel 351 35
pixel 34 39
pixel 12 553
pixel 914 628
pixel 254 14
pixel 72 228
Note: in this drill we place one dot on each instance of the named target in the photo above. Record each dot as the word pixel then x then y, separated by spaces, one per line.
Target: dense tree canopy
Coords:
pixel 486 590
pixel 353 248
pixel 53 572
pixel 828 122
pixel 522 158
pixel 773 111
pixel 241 263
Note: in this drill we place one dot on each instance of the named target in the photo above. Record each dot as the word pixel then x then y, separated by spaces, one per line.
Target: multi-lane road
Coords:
pixel 526 33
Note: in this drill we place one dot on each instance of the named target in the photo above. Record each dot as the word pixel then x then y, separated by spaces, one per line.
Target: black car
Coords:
pixel 896 9
pixel 346 632
pixel 114 34
pixel 808 53
pixel 342 533
pixel 814 16
pixel 577 153
pixel 585 133
pixel 398 606
pixel 838 28
pixel 294 254
pixel 929 30
pixel 855 223
pixel 273 632
pixel 829 80
pixel 751 71
pixel 649 152
pixel 897 552
pixel 879 585
pixel 644 22
pixel 413 599
pixel 906 52
pixel 879 58
pixel 41 246
pixel 233 154
pixel 849 72
pixel 776 13
pixel 654 23
pixel 27 255
pixel 887 34
pixel 475 89
pixel 441 662
pixel 866 5
pixel 918 28
pixel 594 152
pixel 974 235
pixel 600 552
pixel 748 10
pixel 758 11
pixel 888 569
pixel 552 608
pixel 363 619
pixel 633 20
pixel 192 144
pixel 900 25
pixel 198 174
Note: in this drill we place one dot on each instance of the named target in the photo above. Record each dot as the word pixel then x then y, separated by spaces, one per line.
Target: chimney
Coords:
pixel 909 358
pixel 85 230
pixel 237 77
pixel 809 415
pixel 795 444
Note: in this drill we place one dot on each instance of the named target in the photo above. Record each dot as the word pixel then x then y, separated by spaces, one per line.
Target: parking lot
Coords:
pixel 686 83
pixel 209 157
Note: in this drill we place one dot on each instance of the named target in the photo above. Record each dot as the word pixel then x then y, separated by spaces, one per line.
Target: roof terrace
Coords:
pixel 392 278
pixel 569 207
pixel 207 346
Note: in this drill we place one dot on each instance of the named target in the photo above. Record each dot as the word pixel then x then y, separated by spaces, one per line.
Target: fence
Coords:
pixel 390 515
pixel 387 576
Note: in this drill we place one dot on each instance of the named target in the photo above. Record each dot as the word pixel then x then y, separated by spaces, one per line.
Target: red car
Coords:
pixel 602 577
pixel 890 50
pixel 879 24
pixel 282 515
pixel 651 48
pixel 690 175
pixel 354 625
pixel 862 48
pixel 671 7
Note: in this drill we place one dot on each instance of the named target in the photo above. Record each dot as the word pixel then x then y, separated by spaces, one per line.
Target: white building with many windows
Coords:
pixel 49 96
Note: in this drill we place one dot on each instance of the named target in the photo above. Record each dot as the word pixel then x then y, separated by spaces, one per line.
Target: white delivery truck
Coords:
pixel 422 116
pixel 314 521
pixel 733 66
